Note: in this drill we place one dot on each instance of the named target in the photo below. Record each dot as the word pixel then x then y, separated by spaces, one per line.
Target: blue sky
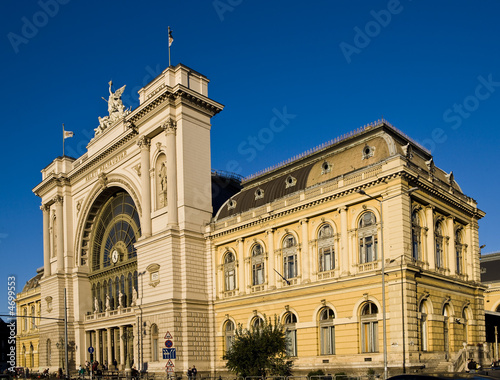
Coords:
pixel 430 68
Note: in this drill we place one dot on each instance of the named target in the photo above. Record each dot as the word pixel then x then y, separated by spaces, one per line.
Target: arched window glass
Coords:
pixel 289 257
pixel 257 322
pixel 130 290
pixel 326 252
pixel 98 305
pixel 367 234
pixel 327 331
pixel 229 272
pixel 154 341
pixel 438 239
pixel 257 265
pixel 31 356
pixel 446 328
pixel 54 236
pixel 459 250
pixel 416 231
pixel 369 327
pixel 423 326
pixel 228 335
pixel 289 322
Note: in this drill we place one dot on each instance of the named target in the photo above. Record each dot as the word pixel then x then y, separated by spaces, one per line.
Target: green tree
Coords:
pixel 260 351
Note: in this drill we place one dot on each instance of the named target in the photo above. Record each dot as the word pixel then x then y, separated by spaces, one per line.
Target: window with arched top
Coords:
pixel 423 326
pixel 229 329
pixel 229 271
pixel 154 342
pixel 367 235
pixel 465 324
pixel 326 251
pixel 257 264
pixel 25 319
pixel 438 244
pixel 369 327
pixel 289 322
pixel 49 351
pixel 326 331
pixel 459 251
pixel 289 256
pixel 256 323
pixel 31 356
pixel 416 233
pixel 446 328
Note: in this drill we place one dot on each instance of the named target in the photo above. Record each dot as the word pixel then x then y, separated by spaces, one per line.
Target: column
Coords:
pixel 109 331
pixel 170 128
pixel 144 144
pixel 344 242
pixel 452 261
pixel 306 265
pixel 97 345
pixel 271 259
pixel 122 338
pixel 431 249
pixel 46 240
pixel 241 266
pixel 60 241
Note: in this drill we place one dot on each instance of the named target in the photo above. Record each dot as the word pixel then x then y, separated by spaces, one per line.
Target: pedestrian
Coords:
pixel 115 363
pixel 471 366
pixel 190 373
pixel 194 371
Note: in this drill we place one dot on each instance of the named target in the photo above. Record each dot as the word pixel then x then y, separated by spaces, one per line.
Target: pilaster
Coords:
pixel 144 144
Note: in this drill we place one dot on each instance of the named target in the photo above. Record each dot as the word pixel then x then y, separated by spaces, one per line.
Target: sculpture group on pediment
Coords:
pixel 116 109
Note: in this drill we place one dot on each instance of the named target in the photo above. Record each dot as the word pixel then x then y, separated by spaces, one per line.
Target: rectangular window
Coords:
pixel 459 259
pixel 369 333
pixel 258 273
pixel 327 340
pixel 291 342
pixel 290 266
pixel 230 280
pixel 229 342
pixel 368 249
pixel 415 245
pixel 155 349
pixel 439 253
pixel 327 259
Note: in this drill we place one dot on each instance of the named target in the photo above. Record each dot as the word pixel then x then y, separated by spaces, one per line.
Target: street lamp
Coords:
pixel 384 318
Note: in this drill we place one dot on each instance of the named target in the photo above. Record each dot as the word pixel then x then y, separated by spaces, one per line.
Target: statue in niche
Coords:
pixel 116 109
pixel 161 184
pixel 134 297
pixel 108 302
pixel 96 305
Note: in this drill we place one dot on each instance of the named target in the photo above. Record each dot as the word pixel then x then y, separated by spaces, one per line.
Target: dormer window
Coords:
pixel 290 181
pixel 259 193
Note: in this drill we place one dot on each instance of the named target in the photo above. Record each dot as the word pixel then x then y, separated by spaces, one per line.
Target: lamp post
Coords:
pixel 140 329
pixel 382 268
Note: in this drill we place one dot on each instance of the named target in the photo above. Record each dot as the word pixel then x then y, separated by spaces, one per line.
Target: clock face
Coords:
pixel 114 256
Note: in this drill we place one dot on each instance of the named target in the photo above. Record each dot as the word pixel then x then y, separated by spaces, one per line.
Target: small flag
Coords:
pixel 170 38
pixel 67 134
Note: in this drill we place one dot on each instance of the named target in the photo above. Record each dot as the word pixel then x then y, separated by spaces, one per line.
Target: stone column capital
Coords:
pixel 45 207
pixel 144 143
pixel 58 199
pixel 169 126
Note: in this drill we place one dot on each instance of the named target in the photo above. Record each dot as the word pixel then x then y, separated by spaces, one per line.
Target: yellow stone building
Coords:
pixel 29 307
pixel 364 248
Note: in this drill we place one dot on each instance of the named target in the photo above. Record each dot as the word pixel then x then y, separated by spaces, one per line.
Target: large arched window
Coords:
pixel 367 235
pixel 326 331
pixel 416 232
pixel 438 243
pixel 289 321
pixel 459 251
pixel 228 335
pixel 257 264
pixel 289 256
pixel 229 272
pixel 256 323
pixel 423 326
pixel 369 327
pixel 154 342
pixel 326 251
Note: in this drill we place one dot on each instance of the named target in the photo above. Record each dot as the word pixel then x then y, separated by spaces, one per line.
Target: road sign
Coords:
pixel 170 363
pixel 169 353
pixel 169 343
pixel 168 335
pixel 170 369
pixel 91 350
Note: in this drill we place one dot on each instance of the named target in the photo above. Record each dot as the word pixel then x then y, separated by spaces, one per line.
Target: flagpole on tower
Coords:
pixel 64 138
pixel 66 134
pixel 170 40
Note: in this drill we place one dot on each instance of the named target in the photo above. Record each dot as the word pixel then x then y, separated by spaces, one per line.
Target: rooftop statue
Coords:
pixel 116 109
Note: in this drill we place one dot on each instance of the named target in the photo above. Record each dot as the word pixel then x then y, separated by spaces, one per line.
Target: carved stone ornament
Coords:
pixel 116 109
pixel 450 178
pixel 430 165
pixel 407 151
pixel 103 180
pixel 58 199
pixel 169 126
pixel 144 142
